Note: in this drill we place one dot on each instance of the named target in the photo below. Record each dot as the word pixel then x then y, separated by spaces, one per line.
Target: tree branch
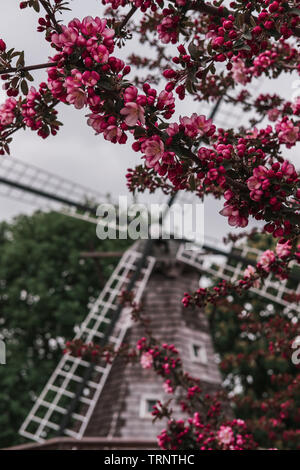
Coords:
pixel 51 15
pixel 207 8
pixel 27 68
pixel 127 17
pixel 213 11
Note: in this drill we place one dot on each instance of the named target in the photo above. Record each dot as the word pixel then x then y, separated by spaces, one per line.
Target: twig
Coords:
pixel 27 68
pixel 51 15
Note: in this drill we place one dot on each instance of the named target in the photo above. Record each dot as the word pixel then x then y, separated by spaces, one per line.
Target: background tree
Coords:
pixel 254 337
pixel 45 288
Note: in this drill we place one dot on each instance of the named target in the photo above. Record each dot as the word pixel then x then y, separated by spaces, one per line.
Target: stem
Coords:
pixel 51 15
pixel 9 133
pixel 27 68
pixel 127 17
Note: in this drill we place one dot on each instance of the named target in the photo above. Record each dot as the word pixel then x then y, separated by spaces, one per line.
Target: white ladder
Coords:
pixel 52 405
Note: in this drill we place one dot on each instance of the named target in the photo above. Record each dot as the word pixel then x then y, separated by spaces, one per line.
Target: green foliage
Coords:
pixel 45 287
pixel 253 337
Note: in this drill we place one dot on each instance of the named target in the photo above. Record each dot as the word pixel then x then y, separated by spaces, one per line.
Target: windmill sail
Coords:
pixel 214 261
pixel 42 189
pixel 53 404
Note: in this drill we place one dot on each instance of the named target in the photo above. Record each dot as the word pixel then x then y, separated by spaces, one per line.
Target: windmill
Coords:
pixel 77 400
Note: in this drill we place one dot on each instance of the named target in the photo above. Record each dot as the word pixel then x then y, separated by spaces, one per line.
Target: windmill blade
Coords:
pixel 230 265
pixel 39 188
pixel 53 405
pixel 230 114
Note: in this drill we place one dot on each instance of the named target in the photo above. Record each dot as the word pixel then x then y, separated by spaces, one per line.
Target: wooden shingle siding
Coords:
pixel 117 413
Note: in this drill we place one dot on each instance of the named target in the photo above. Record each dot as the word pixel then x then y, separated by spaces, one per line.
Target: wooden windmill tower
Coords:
pixel 110 405
pixel 109 401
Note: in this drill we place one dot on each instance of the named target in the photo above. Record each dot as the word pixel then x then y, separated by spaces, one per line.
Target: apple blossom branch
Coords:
pixel 224 11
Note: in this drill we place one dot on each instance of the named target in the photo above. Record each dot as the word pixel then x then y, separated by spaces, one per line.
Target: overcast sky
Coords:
pixel 76 153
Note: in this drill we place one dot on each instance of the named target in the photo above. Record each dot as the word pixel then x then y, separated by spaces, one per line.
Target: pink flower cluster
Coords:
pixel 288 133
pixel 197 126
pixel 146 360
pixel 168 28
pixel 283 249
pixel 232 435
pixel 33 112
pixel 250 273
pixel 239 72
pixel 7 115
pixel 266 260
pixel 90 34
pixel 263 61
pixel 167 386
pixel 235 217
pixel 162 359
pixel 258 182
pixel 264 182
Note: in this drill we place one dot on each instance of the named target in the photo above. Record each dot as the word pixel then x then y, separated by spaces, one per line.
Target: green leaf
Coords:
pixel 194 51
pixel 24 87
pixel 36 5
pixel 20 61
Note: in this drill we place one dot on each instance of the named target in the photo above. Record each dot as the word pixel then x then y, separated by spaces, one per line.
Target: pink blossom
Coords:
pixel 90 78
pixel 77 97
pixel 240 422
pixel 239 72
pixel 273 114
pixel 203 125
pixel 173 129
pixel 74 81
pixel 225 435
pixel 66 40
pixel 235 219
pixel 112 133
pixel 146 360
pixel 287 132
pixel 130 94
pixel 2 45
pixel 204 153
pixel 168 387
pixel 262 61
pixel 250 272
pixel 133 113
pixel 96 122
pixel 258 182
pixel 100 54
pixel 7 115
pixel 266 259
pixel 283 249
pixel 92 26
pixel 288 168
pixel 165 99
pixel 167 29
pixel 153 149
pixel 197 125
pixel 296 105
